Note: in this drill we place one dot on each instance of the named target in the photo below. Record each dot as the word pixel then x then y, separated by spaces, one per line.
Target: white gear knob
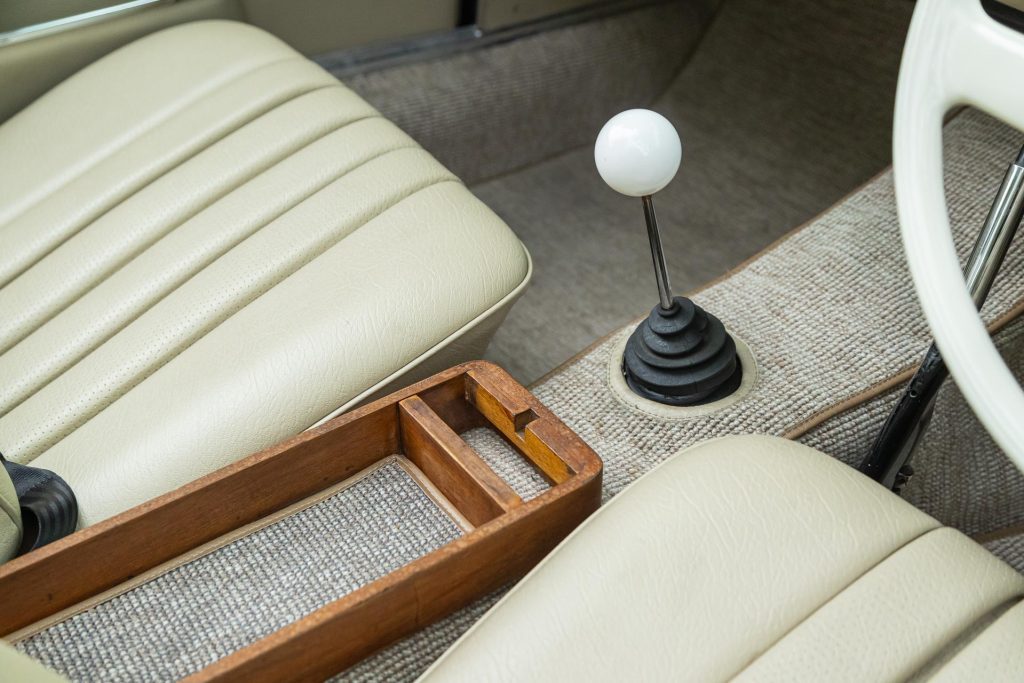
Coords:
pixel 638 152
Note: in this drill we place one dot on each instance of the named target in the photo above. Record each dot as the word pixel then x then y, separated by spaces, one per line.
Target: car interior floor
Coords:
pixel 782 108
pixel 781 222
pixel 785 112
pixel 835 332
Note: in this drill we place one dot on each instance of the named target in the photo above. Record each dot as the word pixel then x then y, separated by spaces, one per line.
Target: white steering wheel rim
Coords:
pixel 955 54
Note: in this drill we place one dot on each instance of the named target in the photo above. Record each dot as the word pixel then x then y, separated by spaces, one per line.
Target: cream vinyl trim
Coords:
pixel 437 358
pixel 29 68
pixel 23 669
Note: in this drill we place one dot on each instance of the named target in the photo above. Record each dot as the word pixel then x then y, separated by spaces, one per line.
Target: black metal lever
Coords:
pixel 888 462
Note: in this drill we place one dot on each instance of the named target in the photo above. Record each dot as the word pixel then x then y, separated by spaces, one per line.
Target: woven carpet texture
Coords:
pixel 828 313
pixel 1010 549
pixel 489 111
pixel 189 617
pixel 525 479
pixel 783 107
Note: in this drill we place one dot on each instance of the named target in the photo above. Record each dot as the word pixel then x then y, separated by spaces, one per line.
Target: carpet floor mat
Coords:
pixel 782 107
pixel 1010 549
pixel 187 617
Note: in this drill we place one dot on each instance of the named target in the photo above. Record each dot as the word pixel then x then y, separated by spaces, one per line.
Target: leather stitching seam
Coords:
pixel 145 183
pixel 830 599
pixel 230 315
pixel 83 353
pixel 212 87
pixel 949 650
pixel 267 166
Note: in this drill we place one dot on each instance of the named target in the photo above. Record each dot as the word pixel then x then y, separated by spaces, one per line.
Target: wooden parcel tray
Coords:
pixel 507 538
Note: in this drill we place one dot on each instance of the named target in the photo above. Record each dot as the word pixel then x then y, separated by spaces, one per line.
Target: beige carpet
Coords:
pixel 783 108
pixel 488 111
pixel 1010 549
pixel 194 614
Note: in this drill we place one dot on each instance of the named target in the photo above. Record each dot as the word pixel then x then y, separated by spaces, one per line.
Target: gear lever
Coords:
pixel 680 355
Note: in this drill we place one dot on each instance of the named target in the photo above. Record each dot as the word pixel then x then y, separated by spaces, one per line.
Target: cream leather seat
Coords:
pixel 10 518
pixel 210 244
pixel 760 559
pixel 23 669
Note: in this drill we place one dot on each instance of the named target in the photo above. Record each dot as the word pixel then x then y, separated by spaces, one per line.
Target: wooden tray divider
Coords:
pixel 507 407
pixel 452 465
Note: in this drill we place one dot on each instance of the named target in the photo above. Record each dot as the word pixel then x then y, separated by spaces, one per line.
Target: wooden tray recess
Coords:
pixel 423 422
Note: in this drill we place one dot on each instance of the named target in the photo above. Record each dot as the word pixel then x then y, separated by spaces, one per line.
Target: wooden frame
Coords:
pixel 423 422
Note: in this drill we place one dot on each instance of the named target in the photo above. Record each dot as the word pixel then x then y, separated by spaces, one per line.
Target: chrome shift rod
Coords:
pixel 657 253
pixel 1000 227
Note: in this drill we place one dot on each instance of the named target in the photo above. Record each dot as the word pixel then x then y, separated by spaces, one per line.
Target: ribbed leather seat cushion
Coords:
pixel 209 244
